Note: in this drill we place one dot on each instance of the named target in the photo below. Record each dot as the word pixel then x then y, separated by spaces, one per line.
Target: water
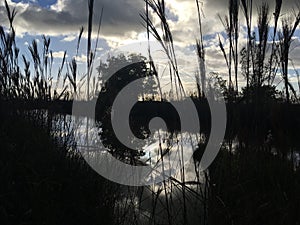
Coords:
pixel 183 195
pixel 177 150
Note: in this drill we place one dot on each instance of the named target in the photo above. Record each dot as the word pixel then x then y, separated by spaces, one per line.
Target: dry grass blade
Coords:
pixel 166 39
pixel 98 32
pixel 223 51
pixel 247 9
pixel 79 39
pixel 72 77
pixel 263 31
pixel 10 14
pixel 276 18
pixel 60 70
pixel 201 52
pixel 285 37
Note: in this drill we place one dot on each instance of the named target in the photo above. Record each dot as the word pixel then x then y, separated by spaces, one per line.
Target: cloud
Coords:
pixel 59 6
pixel 81 59
pixel 59 54
pixel 69 38
pixel 67 16
pixel 122 23
pixel 219 6
pixel 121 19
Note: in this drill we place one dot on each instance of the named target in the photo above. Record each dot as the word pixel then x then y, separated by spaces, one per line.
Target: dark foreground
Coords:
pixel 44 181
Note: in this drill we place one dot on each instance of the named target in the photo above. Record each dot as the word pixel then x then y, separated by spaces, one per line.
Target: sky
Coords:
pixel 122 25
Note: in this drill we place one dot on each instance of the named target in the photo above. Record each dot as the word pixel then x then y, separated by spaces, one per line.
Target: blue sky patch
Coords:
pixel 42 3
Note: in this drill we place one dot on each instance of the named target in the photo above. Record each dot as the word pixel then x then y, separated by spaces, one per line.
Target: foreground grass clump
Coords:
pixel 253 187
pixel 43 183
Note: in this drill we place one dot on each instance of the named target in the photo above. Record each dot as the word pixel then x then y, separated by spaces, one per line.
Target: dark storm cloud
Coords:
pixel 67 16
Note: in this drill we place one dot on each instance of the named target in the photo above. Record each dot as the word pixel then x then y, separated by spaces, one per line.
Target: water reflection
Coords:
pixel 167 153
pixel 184 195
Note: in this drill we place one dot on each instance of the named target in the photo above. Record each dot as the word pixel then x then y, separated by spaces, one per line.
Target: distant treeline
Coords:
pixel 247 121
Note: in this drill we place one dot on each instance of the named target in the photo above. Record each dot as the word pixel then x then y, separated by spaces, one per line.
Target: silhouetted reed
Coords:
pixel 254 179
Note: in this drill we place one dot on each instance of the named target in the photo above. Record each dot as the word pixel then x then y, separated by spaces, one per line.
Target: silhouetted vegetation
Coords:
pixel 254 180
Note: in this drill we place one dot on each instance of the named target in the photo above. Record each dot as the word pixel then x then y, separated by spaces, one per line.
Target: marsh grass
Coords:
pixel 245 165
pixel 252 181
pixel 43 178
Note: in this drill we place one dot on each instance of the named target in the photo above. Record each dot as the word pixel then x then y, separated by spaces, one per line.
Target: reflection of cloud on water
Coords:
pixel 174 147
pixel 177 149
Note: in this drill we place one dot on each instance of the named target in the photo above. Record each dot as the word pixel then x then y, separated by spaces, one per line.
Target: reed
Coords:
pixel 273 50
pixel 249 162
pixel 231 25
pixel 289 26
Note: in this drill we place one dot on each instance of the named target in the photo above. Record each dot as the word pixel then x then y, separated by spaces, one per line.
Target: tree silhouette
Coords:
pixel 113 80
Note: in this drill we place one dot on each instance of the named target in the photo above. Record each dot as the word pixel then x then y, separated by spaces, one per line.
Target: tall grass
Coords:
pixel 166 41
pixel 231 24
pixel 180 185
pixel 247 184
pixel 289 26
pixel 43 178
pixel 260 67
pixel 36 82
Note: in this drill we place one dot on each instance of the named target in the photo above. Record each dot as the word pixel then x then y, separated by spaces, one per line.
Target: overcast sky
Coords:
pixel 122 24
